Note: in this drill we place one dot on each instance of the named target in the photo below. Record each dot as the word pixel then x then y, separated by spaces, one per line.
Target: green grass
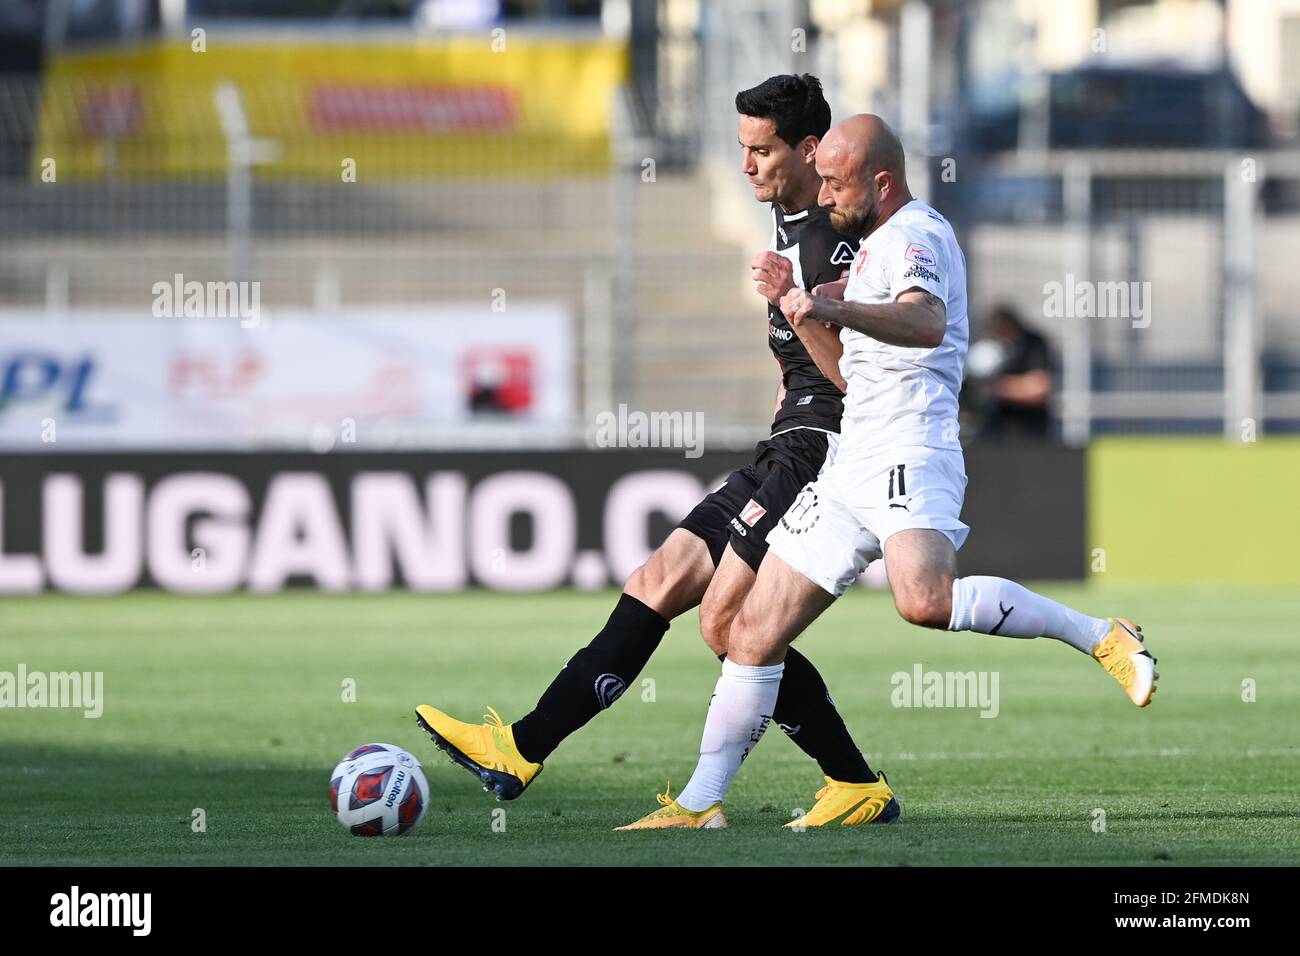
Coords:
pixel 233 704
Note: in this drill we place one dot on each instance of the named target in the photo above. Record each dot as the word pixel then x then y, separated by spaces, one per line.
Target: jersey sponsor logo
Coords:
pixel 785 335
pixel 861 262
pixel 918 272
pixel 806 400
pixel 752 512
pixel 739 528
pixel 920 254
pixel 842 255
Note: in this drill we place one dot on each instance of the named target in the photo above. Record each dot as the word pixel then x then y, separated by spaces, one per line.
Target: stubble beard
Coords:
pixel 859 222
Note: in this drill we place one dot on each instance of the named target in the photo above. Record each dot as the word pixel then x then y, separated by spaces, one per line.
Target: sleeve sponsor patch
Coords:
pixel 918 272
pixel 920 254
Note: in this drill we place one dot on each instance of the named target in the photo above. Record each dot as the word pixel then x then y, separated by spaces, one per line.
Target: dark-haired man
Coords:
pixel 711 559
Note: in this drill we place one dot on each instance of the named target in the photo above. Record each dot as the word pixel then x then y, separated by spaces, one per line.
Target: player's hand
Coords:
pixel 831 290
pixel 797 305
pixel 773 274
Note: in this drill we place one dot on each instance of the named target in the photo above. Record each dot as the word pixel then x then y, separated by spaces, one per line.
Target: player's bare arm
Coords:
pixel 916 319
pixel 823 343
pixel 832 290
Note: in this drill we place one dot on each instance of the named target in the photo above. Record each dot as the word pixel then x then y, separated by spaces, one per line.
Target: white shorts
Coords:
pixel 841 522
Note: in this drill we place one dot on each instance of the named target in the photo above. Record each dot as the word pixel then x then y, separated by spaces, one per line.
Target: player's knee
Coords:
pixel 926 607
pixel 715 627
pixel 661 585
pixel 650 584
pixel 639 584
pixel 746 641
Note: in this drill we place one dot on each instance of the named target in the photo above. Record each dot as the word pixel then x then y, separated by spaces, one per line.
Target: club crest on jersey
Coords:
pixel 752 512
pixel 920 254
pixel 842 255
pixel 861 262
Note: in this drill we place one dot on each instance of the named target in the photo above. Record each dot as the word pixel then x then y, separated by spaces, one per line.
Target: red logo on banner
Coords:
pixel 110 113
pixel 498 379
pixel 211 374
pixel 386 107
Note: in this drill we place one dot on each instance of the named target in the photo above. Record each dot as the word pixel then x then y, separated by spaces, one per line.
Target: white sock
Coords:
pixel 998 606
pixel 741 708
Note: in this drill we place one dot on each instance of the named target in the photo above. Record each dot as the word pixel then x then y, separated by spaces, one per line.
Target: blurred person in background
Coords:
pixel 1009 386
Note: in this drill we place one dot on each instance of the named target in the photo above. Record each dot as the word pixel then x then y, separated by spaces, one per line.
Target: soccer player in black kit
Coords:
pixel 711 559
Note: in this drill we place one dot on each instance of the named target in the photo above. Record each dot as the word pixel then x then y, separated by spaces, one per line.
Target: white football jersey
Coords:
pixel 904 396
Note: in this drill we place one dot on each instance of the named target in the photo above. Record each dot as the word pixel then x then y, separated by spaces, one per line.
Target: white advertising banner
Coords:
pixel 372 377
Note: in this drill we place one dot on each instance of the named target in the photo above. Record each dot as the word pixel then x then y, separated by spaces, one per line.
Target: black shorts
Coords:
pixel 753 498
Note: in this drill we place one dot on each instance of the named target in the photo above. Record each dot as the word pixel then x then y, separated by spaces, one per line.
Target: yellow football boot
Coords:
pixel 487 750
pixel 856 802
pixel 1122 655
pixel 672 814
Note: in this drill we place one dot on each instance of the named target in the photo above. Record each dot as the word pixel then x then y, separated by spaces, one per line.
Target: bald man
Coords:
pixel 895 487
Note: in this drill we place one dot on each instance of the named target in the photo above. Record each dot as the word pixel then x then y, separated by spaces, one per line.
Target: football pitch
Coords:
pixel 223 716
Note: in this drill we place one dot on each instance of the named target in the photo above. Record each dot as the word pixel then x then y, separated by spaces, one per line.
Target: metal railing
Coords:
pixel 665 315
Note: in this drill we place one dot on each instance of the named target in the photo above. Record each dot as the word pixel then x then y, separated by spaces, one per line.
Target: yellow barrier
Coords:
pixel 1194 510
pixel 450 107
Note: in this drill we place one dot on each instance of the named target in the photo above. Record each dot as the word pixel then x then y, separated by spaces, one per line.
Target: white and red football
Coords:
pixel 379 790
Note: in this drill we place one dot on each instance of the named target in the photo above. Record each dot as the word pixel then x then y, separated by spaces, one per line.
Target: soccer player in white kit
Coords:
pixel 895 487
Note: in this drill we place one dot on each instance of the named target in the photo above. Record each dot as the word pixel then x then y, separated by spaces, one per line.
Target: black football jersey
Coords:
pixel 819 254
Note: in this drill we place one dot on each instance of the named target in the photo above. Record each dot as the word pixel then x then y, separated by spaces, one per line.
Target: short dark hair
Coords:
pixel 794 104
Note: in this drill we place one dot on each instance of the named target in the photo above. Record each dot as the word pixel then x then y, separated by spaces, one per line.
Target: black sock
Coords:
pixel 805 712
pixel 593 679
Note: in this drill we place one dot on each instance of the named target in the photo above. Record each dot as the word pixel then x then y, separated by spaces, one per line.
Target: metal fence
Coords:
pixel 652 261
pixel 657 302
pixel 1157 277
